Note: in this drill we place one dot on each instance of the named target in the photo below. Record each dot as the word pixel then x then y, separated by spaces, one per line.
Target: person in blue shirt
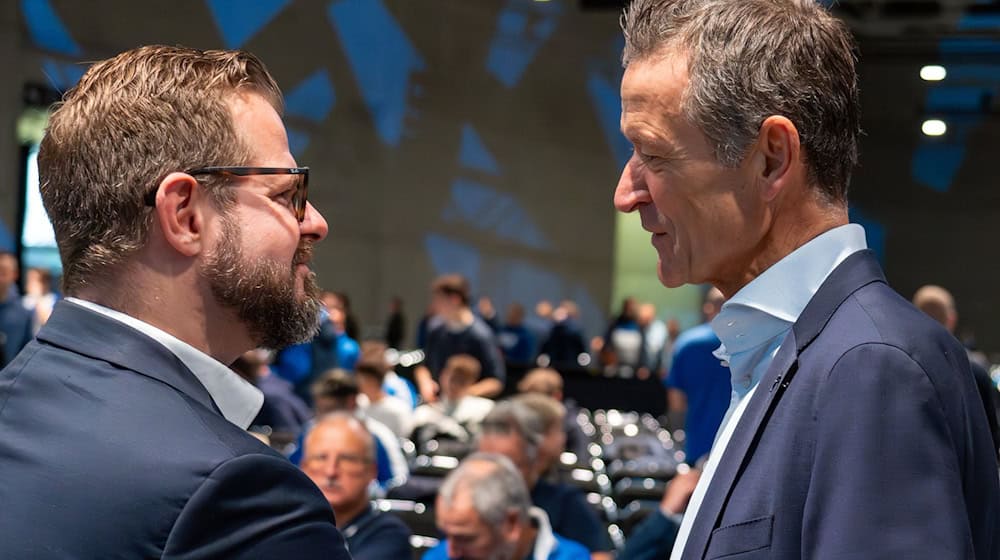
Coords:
pixel 698 383
pixel 16 327
pixel 516 341
pixel 339 456
pixel 484 512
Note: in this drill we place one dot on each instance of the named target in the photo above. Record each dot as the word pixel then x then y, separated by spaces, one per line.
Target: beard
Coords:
pixel 263 292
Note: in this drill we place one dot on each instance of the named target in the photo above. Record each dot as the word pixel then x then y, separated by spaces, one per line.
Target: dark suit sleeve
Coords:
pixel 653 539
pixel 256 506
pixel 886 482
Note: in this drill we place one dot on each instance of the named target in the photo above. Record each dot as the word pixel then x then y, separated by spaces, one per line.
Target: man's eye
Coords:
pixel 285 196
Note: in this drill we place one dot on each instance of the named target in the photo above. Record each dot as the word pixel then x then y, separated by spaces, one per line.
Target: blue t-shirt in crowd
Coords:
pixel 374 535
pixel 517 343
pixel 16 328
pixel 570 515
pixel 706 383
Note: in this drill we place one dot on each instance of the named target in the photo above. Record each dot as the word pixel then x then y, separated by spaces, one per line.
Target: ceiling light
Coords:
pixel 933 73
pixel 934 127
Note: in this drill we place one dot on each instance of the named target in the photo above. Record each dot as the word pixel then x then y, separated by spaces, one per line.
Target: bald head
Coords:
pixel 938 303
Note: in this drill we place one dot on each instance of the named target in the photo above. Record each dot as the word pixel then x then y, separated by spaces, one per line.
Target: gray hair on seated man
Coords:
pixel 497 491
pixel 515 430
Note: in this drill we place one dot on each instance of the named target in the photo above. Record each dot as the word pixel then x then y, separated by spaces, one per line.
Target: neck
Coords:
pixel 348 513
pixel 802 220
pixel 178 305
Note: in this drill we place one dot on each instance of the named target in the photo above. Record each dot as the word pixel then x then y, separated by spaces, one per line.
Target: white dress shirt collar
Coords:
pixel 238 400
pixel 752 323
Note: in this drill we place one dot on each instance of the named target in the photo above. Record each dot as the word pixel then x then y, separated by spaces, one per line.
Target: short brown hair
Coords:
pixel 372 362
pixel 129 122
pixel 452 285
pixel 546 381
pixel 464 366
pixel 335 384
pixel 750 59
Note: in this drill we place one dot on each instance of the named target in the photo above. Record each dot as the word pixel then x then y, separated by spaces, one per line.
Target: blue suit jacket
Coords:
pixel 111 448
pixel 864 440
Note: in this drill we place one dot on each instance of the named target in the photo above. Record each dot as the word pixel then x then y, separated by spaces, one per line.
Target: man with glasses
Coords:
pixel 339 456
pixel 185 235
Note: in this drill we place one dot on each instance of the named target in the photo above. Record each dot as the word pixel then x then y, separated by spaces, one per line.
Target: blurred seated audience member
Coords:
pixel 517 431
pixel 337 391
pixel 488 313
pixel 622 338
pixel 38 295
pixel 339 456
pixel 549 382
pixel 653 538
pixel 339 348
pixel 456 330
pixel 395 325
pixel 16 322
pixel 458 414
pixel 540 322
pixel 331 348
pixel 484 512
pixel 653 341
pixel 283 411
pixel 341 300
pixel 940 305
pixel 698 384
pixel 553 442
pixel 516 341
pixel 564 343
pixel 370 373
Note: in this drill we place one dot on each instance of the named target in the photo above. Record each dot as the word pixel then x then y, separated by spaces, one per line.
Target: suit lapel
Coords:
pixel 856 271
pixel 82 331
pixel 764 398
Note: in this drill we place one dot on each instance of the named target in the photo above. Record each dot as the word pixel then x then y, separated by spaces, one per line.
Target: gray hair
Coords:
pixel 750 59
pixel 514 416
pixel 496 490
pixel 352 423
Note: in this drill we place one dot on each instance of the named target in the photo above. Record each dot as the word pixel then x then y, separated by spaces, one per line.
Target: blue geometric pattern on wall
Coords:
pixel 46 29
pixel 607 102
pixel 874 232
pixel 382 59
pixel 522 27
pixel 297 141
pixel 312 99
pixel 238 20
pixel 449 256
pixel 936 163
pixel 979 22
pixel 487 209
pixel 63 75
pixel 958 98
pixel 473 154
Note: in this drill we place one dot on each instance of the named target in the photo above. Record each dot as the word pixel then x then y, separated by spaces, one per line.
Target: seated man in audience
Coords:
pixel 458 414
pixel 516 430
pixel 370 372
pixel 283 412
pixel 553 442
pixel 454 329
pixel 339 456
pixel 549 382
pixel 485 513
pixel 337 391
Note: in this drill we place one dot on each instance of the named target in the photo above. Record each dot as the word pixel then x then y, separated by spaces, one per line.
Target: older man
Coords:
pixel 339 456
pixel 484 512
pixel 185 236
pixel 515 429
pixel 855 429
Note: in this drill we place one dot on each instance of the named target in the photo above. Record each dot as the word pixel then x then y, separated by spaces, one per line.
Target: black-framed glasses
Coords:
pixel 299 195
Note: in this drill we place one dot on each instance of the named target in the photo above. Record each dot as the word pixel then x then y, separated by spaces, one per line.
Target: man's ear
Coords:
pixel 512 526
pixel 179 213
pixel 778 153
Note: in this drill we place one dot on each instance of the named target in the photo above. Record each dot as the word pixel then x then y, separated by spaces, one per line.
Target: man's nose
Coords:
pixel 314 225
pixel 631 190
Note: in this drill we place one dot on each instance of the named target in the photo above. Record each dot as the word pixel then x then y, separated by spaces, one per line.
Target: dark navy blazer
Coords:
pixel 111 448
pixel 865 440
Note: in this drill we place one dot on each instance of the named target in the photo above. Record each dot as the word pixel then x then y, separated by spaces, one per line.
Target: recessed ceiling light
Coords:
pixel 934 127
pixel 933 73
